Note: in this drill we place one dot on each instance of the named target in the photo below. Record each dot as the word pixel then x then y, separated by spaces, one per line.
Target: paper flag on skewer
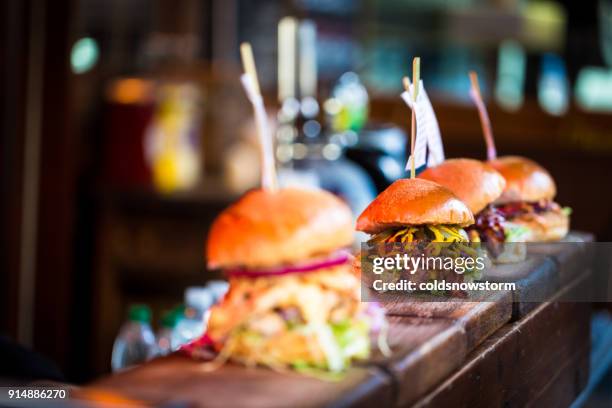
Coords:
pixel 435 147
pixel 428 132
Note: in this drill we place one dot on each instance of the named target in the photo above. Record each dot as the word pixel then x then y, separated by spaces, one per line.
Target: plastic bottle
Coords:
pixel 218 288
pixel 198 301
pixel 348 108
pixel 135 343
pixel 166 338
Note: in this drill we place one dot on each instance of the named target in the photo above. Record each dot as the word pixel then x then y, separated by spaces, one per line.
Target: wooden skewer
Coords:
pixel 474 81
pixel 268 171
pixel 416 76
pixel 485 123
pixel 248 62
pixel 416 79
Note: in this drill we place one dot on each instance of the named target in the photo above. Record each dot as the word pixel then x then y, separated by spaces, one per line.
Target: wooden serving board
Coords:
pixel 548 267
pixel 571 254
pixel 489 365
pixel 541 360
pixel 180 380
pixel 425 351
pixel 477 315
pixel 536 278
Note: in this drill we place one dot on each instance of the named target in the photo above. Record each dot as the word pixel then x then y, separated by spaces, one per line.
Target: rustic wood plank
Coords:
pixel 481 319
pixel 425 350
pixel 536 279
pixel 178 379
pixel 571 254
pixel 525 361
pixel 479 315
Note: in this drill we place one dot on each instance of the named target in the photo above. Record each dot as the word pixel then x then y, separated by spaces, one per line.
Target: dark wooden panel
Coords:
pixel 177 379
pixel 565 386
pixel 523 361
pixel 13 80
pixel 57 196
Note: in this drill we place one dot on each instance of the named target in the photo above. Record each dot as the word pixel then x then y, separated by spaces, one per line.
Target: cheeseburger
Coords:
pixel 478 185
pixel 294 300
pixel 423 218
pixel 527 200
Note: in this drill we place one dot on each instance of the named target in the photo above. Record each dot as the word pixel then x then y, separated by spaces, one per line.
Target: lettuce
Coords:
pixel 333 353
pixel 319 373
pixel 515 232
pixel 353 338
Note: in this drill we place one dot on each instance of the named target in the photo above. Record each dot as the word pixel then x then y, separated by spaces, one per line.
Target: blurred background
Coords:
pixel 125 130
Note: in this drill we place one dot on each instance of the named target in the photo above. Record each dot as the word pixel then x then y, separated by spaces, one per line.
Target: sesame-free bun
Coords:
pixel 525 180
pixel 264 229
pixel 413 202
pixel 475 183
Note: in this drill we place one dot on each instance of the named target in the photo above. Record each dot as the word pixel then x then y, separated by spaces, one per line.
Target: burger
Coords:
pixel 478 185
pixel 527 200
pixel 293 299
pixel 421 218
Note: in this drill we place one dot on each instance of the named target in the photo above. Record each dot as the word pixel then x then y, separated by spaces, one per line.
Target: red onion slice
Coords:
pixel 338 258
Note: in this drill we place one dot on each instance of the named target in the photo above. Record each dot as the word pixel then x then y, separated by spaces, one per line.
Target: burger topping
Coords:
pixel 335 259
pixel 309 321
pixel 489 228
pixel 519 208
pixel 425 233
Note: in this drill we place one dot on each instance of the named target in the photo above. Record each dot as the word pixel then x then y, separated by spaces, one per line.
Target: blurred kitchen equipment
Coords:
pixel 380 149
pixel 153 134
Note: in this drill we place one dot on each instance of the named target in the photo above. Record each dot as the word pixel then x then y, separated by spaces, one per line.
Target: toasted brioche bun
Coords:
pixel 413 202
pixel 544 227
pixel 475 183
pixel 525 180
pixel 265 229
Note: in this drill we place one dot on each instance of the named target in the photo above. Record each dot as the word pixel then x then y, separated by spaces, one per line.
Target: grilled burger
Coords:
pixel 527 200
pixel 294 300
pixel 478 185
pixel 417 215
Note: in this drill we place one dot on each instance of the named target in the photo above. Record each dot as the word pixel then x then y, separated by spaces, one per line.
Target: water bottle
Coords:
pixel 218 288
pixel 166 337
pixel 135 343
pixel 348 108
pixel 192 326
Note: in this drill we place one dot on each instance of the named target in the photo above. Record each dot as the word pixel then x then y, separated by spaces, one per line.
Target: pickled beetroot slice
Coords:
pixel 336 259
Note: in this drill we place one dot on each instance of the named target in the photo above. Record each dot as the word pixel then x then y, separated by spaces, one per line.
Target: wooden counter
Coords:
pixel 508 351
